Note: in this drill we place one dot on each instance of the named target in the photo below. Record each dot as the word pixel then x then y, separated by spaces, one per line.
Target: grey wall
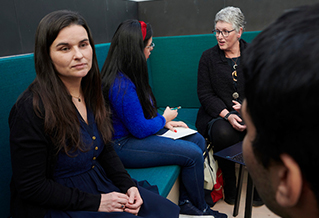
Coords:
pixel 186 17
pixel 19 19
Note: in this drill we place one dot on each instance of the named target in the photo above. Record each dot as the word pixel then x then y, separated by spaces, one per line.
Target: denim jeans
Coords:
pixel 159 151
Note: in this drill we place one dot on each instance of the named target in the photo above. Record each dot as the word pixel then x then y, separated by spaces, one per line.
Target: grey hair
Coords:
pixel 231 15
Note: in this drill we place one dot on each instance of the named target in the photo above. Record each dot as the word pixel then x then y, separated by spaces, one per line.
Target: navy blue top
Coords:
pixel 42 180
pixel 81 162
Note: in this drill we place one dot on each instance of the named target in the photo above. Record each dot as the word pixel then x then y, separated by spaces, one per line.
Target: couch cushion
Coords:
pixel 163 176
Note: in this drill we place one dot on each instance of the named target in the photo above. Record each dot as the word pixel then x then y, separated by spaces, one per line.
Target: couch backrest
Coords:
pixel 101 51
pixel 16 74
pixel 174 64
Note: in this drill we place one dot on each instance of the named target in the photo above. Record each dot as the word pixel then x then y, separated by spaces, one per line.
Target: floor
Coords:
pixel 257 212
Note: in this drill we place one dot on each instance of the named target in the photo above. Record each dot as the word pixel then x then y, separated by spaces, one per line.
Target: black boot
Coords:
pixel 230 191
pixel 257 201
pixel 228 169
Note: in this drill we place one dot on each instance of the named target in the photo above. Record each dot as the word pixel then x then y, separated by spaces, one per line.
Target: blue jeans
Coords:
pixel 159 151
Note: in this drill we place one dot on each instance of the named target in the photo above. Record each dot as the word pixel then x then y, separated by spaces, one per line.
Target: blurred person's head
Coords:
pixel 282 84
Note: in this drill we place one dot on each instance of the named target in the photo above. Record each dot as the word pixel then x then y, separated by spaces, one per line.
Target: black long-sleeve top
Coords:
pixel 215 85
pixel 33 158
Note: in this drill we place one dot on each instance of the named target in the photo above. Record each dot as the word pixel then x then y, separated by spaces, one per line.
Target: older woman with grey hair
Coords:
pixel 221 87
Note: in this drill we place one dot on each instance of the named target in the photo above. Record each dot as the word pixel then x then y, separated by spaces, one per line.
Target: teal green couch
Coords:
pixel 173 77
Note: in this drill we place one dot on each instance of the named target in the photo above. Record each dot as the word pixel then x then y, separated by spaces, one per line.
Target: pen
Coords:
pixel 175 108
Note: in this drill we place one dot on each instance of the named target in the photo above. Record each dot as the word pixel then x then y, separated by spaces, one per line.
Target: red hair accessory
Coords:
pixel 143 28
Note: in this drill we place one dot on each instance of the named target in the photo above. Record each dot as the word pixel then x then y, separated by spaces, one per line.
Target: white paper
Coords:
pixel 181 132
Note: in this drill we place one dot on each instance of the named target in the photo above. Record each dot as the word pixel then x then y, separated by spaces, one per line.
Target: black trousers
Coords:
pixel 222 135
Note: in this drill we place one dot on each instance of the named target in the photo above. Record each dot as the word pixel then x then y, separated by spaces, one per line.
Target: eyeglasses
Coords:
pixel 152 45
pixel 225 33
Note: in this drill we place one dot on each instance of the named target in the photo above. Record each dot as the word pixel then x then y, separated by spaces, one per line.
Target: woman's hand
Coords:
pixel 237 106
pixel 235 121
pixel 113 202
pixel 169 114
pixel 135 201
pixel 170 125
pixel 130 202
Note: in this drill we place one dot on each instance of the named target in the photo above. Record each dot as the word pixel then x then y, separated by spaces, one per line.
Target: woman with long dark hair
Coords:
pixel 136 121
pixel 62 161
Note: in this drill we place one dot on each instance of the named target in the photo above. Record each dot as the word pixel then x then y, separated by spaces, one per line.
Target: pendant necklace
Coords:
pixel 234 73
pixel 79 99
pixel 235 95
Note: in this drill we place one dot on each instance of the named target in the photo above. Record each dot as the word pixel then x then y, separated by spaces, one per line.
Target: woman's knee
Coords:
pixel 223 134
pixel 222 129
pixel 197 139
pixel 193 153
pixel 197 156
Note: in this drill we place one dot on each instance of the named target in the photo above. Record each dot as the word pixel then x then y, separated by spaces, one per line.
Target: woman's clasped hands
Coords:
pixel 235 120
pixel 130 202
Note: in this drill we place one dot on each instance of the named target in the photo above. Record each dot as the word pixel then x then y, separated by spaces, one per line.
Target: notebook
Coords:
pixel 180 133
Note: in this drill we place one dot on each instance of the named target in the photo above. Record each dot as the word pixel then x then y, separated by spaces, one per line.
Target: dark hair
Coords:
pixel 126 55
pixel 149 34
pixel 60 116
pixel 282 86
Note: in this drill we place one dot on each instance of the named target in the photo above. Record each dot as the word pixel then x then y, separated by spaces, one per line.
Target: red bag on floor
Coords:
pixel 213 179
pixel 217 192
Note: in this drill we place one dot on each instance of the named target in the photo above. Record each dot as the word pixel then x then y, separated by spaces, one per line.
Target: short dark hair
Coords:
pixel 282 87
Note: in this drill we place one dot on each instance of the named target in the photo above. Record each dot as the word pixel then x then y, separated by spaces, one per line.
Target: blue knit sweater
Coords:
pixel 127 113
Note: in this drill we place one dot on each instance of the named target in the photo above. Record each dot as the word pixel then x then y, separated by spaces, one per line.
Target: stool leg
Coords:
pixel 238 191
pixel 249 197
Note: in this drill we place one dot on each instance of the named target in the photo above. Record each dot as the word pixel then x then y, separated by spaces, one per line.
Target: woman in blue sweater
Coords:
pixel 136 121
